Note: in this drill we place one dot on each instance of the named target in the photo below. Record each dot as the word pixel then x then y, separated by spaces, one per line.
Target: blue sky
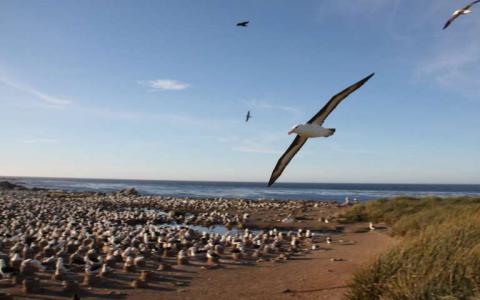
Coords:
pixel 159 89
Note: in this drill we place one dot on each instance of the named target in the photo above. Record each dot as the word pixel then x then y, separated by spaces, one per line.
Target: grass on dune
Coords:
pixel 438 256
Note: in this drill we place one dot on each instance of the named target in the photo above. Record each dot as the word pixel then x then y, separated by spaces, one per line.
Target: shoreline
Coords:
pixel 257 191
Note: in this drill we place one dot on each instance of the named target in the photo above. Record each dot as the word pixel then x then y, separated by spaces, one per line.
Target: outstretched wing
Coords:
pixel 456 15
pixel 282 163
pixel 450 20
pixel 471 4
pixel 320 117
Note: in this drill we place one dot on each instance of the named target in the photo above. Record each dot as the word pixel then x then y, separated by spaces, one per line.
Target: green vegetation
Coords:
pixel 438 256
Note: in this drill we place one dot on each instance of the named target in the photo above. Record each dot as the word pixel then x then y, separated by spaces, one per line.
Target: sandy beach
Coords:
pixel 193 248
pixel 311 276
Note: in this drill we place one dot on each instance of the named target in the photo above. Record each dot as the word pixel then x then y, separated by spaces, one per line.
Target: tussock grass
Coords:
pixel 438 257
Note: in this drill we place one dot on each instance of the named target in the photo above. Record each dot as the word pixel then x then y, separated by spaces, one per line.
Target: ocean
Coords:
pixel 253 190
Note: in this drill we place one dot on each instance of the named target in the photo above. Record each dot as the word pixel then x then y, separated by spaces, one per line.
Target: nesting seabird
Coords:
pixel 462 11
pixel 313 128
pixel 5 270
pixel 243 24
pixel 248 117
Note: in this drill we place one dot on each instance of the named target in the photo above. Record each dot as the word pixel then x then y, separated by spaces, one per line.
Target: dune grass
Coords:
pixel 438 256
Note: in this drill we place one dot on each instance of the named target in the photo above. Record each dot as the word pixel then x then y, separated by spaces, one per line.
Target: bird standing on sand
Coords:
pixel 462 11
pixel 5 270
pixel 248 117
pixel 313 128
pixel 243 24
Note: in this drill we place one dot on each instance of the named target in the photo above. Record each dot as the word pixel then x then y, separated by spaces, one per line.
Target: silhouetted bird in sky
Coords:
pixel 243 24
pixel 313 128
pixel 462 11
pixel 248 116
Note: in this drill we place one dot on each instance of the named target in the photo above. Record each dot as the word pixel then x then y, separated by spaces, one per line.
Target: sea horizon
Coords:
pixel 251 190
pixel 9 177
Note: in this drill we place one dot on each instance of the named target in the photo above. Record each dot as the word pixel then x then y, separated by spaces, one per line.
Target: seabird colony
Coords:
pixel 82 239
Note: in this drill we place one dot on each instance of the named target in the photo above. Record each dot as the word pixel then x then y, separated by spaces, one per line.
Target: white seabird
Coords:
pixel 462 11
pixel 313 128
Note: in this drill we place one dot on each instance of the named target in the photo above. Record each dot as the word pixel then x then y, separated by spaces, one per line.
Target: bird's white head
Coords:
pixel 293 130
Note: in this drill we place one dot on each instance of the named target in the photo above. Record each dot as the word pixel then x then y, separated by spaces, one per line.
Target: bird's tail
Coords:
pixel 331 131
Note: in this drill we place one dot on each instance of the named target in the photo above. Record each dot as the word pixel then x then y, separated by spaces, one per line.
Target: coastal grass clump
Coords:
pixel 408 213
pixel 438 256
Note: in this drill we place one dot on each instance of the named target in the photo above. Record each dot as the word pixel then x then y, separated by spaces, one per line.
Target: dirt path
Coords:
pixel 314 276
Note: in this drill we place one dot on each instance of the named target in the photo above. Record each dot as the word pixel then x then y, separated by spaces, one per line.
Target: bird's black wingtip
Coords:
pixel 364 80
pixel 271 181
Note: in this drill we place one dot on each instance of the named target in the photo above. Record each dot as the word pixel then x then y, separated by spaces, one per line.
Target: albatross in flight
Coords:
pixel 313 128
pixel 243 24
pixel 462 11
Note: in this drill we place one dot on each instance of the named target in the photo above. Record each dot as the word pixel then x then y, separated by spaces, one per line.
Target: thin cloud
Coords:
pixel 255 149
pixel 165 84
pixel 261 145
pixel 452 62
pixel 44 97
pixel 260 104
pixel 139 116
pixel 40 141
pixel 349 8
pixel 453 65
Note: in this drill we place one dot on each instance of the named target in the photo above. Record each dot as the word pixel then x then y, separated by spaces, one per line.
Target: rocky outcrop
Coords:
pixel 129 192
pixel 6 185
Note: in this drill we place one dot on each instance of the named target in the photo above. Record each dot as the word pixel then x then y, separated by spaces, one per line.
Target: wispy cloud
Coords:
pixel 165 84
pixel 358 7
pixel 39 141
pixel 452 60
pixel 255 149
pixel 339 147
pixel 262 104
pixel 454 64
pixel 262 144
pixel 44 97
pixel 177 119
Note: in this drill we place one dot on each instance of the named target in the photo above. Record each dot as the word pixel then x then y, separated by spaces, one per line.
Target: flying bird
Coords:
pixel 462 11
pixel 243 24
pixel 248 117
pixel 313 128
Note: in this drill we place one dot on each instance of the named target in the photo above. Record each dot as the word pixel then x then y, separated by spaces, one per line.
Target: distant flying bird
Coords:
pixel 462 11
pixel 313 128
pixel 243 24
pixel 248 116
